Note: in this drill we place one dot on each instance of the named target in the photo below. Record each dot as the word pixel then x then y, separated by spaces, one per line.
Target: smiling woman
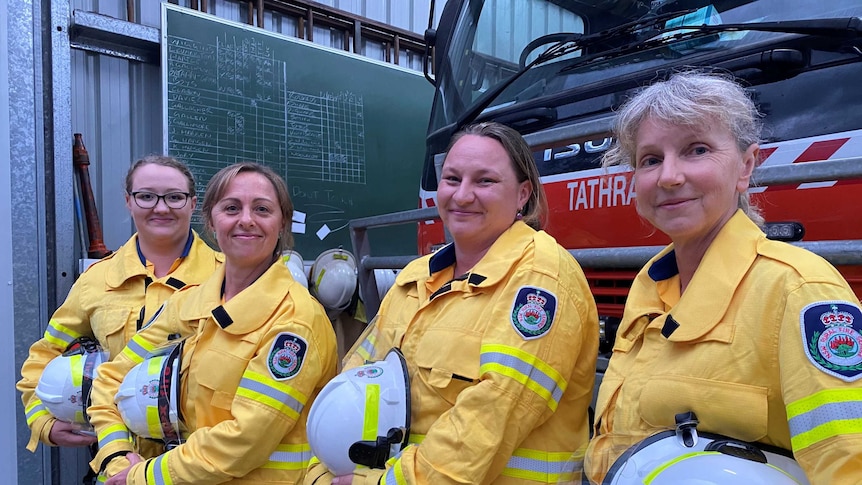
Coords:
pixel 723 319
pixel 110 301
pixel 497 329
pixel 249 210
pixel 256 349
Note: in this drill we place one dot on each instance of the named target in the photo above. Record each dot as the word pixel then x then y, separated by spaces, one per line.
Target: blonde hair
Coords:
pixel 689 98
pixel 218 185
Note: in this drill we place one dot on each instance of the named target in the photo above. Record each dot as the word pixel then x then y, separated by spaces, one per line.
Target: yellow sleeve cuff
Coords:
pixel 40 430
pixel 138 474
pixel 368 476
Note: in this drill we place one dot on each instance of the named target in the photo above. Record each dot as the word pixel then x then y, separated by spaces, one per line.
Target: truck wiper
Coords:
pixel 569 44
pixel 845 27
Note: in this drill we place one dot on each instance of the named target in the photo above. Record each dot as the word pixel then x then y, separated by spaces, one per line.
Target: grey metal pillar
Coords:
pixel 36 248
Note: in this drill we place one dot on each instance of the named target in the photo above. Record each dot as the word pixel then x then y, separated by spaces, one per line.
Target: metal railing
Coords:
pixel 842 252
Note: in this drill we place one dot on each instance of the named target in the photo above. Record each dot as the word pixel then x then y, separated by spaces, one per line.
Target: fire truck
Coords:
pixel 556 70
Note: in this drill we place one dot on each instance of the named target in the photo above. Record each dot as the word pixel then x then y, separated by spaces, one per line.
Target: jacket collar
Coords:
pixel 708 296
pixel 246 311
pixel 493 266
pixel 129 263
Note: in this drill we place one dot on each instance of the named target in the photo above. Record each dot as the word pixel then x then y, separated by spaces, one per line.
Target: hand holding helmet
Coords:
pixel 375 394
pixel 64 388
pixel 71 435
pixel 148 397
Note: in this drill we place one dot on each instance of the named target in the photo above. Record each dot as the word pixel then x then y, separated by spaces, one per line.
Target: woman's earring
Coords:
pixel 519 216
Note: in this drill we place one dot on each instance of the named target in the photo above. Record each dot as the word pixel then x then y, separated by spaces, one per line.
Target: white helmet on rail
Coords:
pixel 65 383
pixel 686 457
pixel 148 398
pixel 294 262
pixel 333 279
pixel 362 416
pixel 385 279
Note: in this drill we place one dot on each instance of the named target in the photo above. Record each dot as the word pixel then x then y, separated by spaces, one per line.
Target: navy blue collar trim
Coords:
pixel 186 250
pixel 140 254
pixel 443 258
pixel 221 317
pixel 664 267
pixel 472 279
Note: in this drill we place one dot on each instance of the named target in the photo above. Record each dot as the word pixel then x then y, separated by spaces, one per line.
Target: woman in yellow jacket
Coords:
pixel 257 349
pixel 758 338
pixel 110 301
pixel 498 329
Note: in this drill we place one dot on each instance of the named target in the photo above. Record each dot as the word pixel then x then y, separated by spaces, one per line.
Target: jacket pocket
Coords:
pixel 718 405
pixel 220 370
pixel 447 370
pixel 109 328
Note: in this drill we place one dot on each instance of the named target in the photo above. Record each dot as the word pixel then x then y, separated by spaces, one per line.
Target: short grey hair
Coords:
pixel 689 98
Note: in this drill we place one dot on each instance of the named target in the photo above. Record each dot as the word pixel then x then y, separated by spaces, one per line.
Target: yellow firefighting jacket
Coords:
pixel 501 363
pixel 250 369
pixel 753 347
pixel 108 302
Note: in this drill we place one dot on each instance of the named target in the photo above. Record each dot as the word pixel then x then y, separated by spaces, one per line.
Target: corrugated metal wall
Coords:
pixel 116 102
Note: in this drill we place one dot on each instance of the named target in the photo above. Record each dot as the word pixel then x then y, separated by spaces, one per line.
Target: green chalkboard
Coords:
pixel 346 132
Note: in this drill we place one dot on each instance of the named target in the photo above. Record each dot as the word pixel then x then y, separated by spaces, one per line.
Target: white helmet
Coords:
pixel 293 261
pixel 333 279
pixel 684 457
pixel 65 383
pixel 385 278
pixel 362 416
pixel 148 398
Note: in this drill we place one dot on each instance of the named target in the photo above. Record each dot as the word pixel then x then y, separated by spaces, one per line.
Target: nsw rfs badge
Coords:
pixel 286 356
pixel 833 341
pixel 533 311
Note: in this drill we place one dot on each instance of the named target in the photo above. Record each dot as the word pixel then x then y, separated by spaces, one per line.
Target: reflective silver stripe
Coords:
pixel 53 330
pixel 269 391
pixel 299 457
pixel 137 349
pixel 123 436
pixel 158 472
pixel 37 409
pixel 543 471
pixel 389 478
pixel 525 368
pixel 368 346
pixel 823 414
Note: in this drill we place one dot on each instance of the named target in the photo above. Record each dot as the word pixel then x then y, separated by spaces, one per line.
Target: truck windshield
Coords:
pixel 495 40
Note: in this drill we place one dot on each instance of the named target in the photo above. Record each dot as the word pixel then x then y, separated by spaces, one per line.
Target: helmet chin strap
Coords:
pixel 374 454
pixel 171 434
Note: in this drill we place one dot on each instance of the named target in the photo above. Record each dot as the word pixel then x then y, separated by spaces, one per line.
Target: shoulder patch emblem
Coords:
pixel 286 356
pixel 832 338
pixel 533 312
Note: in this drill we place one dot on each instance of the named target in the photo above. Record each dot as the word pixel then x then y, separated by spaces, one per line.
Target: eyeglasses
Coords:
pixel 148 200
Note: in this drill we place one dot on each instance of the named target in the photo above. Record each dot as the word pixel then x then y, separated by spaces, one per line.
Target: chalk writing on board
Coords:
pixel 326 136
pixel 238 106
pixel 323 120
pixel 225 103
